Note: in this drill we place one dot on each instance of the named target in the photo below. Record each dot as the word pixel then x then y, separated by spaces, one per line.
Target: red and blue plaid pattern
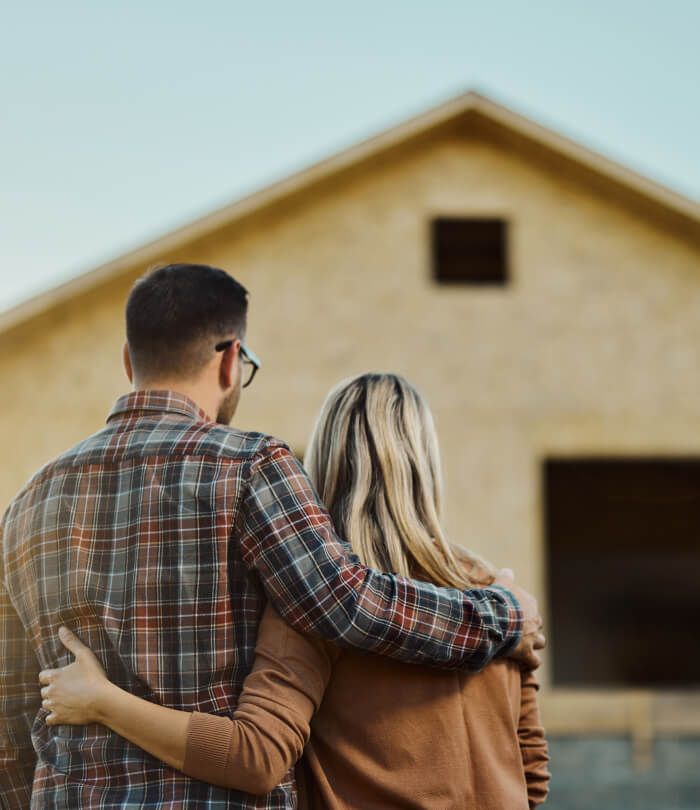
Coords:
pixel 158 541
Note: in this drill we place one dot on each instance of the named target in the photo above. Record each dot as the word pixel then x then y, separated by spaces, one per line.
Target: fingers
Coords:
pixel 45 678
pixel 531 640
pixel 46 702
pixel 528 658
pixel 70 641
pixel 531 660
pixel 527 655
pixel 528 605
pixel 505 578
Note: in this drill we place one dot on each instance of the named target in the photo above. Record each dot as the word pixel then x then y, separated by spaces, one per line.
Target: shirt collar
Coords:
pixel 161 401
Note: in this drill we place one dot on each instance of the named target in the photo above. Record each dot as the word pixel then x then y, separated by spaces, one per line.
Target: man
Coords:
pixel 159 540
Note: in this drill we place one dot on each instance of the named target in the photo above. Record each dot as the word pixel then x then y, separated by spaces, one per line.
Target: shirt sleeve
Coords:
pixel 19 704
pixel 320 587
pixel 533 745
pixel 271 725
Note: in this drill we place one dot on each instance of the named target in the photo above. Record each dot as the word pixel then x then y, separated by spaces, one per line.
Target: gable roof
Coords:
pixel 467 114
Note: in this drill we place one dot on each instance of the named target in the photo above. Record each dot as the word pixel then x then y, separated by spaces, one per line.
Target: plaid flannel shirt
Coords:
pixel 158 540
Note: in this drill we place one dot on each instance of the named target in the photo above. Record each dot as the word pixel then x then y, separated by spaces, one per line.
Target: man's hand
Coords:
pixel 532 638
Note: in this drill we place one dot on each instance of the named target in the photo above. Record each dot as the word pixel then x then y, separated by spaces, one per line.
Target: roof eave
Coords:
pixel 469 111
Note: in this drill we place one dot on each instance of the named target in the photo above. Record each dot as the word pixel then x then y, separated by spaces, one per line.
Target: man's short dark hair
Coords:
pixel 176 314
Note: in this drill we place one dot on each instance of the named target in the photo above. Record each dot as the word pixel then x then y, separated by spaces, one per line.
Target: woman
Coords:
pixel 383 734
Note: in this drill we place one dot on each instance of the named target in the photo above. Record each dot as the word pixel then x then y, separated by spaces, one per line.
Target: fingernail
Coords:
pixel 63 631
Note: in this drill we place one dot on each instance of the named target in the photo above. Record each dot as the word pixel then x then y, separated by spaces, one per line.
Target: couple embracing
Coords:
pixel 191 619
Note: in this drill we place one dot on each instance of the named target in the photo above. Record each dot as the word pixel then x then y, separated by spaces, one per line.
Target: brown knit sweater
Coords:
pixel 383 734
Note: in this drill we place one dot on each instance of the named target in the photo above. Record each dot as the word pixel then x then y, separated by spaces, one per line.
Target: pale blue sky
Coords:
pixel 121 121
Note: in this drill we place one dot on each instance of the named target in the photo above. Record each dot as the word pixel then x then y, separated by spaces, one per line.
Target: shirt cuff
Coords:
pixel 512 622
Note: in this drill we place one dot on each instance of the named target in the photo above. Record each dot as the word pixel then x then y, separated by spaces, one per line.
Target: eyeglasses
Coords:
pixel 249 358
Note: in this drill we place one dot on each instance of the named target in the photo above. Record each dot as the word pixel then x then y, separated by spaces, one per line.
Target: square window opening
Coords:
pixel 469 250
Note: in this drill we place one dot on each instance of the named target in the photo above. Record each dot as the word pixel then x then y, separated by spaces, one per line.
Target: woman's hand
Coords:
pixel 72 695
pixel 81 693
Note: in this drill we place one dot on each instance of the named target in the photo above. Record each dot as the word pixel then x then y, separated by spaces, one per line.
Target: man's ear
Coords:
pixel 227 365
pixel 126 360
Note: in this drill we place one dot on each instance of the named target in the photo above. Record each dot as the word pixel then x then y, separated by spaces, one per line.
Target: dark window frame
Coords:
pixel 470 250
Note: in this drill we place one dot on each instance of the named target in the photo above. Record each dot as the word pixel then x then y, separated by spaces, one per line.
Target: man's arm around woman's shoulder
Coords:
pixel 320 587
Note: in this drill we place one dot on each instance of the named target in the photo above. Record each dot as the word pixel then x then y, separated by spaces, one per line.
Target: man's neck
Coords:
pixel 197 393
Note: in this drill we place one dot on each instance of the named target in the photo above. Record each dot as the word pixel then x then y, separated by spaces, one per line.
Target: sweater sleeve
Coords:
pixel 270 727
pixel 533 746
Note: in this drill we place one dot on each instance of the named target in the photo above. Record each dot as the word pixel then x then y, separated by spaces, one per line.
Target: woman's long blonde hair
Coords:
pixel 374 458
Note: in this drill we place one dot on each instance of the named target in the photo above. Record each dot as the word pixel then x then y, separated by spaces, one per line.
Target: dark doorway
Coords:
pixel 623 555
